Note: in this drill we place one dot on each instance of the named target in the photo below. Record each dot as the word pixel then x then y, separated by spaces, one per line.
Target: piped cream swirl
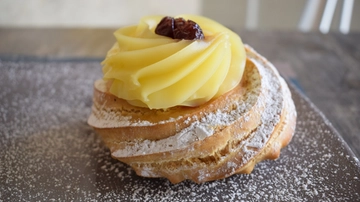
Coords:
pixel 159 72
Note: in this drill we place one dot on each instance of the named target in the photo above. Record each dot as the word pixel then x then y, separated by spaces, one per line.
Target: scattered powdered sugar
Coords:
pixel 49 153
pixel 178 141
pixel 270 86
pixel 199 129
pixel 112 119
pixel 102 118
pixel 270 117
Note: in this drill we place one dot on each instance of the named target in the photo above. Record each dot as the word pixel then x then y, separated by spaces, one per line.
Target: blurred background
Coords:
pixel 326 67
pixel 303 15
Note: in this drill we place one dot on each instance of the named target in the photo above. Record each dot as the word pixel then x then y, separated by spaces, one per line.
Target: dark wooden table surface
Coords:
pixel 326 68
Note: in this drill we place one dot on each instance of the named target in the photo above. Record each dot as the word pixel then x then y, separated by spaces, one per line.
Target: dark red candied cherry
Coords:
pixel 179 28
pixel 188 30
pixel 165 27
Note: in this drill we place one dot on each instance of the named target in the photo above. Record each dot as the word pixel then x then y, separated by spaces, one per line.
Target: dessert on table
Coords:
pixel 183 98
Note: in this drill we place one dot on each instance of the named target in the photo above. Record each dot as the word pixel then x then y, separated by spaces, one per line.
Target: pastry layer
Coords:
pixel 224 136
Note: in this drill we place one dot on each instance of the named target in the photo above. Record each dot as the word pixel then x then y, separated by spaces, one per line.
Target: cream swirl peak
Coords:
pixel 158 72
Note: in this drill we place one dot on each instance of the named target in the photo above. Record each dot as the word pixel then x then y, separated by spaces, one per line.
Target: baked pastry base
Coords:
pixel 225 136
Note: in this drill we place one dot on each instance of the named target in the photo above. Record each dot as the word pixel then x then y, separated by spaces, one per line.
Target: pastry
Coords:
pixel 205 135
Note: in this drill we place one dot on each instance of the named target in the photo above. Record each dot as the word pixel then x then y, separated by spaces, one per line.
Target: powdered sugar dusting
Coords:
pixel 49 153
pixel 102 118
pixel 270 96
pixel 112 119
pixel 178 141
pixel 199 129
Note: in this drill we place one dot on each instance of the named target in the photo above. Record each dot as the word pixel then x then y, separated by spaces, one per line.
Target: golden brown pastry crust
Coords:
pixel 227 135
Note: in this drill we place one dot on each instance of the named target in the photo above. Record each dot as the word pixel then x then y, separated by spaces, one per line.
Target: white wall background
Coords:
pixel 273 14
pixel 87 13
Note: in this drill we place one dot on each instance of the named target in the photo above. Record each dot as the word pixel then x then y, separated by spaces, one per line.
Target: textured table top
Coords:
pixel 326 68
pixel 49 153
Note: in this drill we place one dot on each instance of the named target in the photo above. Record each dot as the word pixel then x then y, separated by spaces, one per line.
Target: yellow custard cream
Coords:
pixel 158 72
